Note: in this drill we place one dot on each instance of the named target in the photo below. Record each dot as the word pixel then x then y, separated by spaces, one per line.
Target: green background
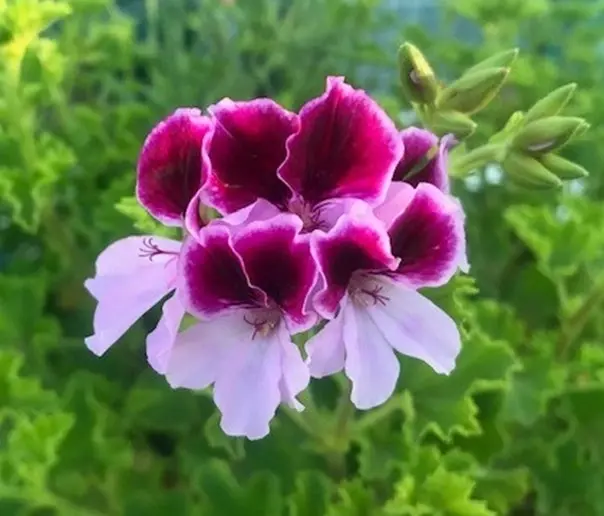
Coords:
pixel 517 429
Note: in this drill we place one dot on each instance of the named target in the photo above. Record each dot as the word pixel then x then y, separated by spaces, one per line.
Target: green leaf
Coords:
pixel 234 447
pixel 354 499
pixel 313 492
pixel 142 221
pixel 443 405
pixel 503 489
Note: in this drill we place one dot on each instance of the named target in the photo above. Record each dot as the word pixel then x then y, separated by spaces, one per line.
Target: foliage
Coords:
pixel 515 430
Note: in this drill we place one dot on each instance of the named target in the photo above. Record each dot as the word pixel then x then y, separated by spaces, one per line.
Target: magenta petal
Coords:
pixel 277 260
pixel 244 151
pixel 357 243
pixel 418 142
pixel 346 147
pixel 212 278
pixel 429 238
pixel 169 172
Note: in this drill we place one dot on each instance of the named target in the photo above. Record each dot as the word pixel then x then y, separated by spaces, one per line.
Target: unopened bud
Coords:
pixel 563 168
pixel 462 164
pixel 452 122
pixel 472 92
pixel 547 134
pixel 528 172
pixel 551 104
pixel 417 77
pixel 503 59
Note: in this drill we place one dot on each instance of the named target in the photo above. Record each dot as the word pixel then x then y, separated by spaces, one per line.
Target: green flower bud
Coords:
pixel 551 104
pixel 528 172
pixel 563 168
pixel 452 122
pixel 547 134
pixel 472 92
pixel 463 164
pixel 503 59
pixel 417 77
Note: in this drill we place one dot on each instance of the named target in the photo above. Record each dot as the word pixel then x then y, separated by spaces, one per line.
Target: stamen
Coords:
pixel 150 250
pixel 264 324
pixel 310 216
pixel 365 292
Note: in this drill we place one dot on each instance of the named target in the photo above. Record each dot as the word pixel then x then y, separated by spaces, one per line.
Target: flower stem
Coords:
pixel 575 324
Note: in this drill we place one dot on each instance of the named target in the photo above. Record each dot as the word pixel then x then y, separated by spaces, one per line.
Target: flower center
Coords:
pixel 263 321
pixel 308 214
pixel 365 290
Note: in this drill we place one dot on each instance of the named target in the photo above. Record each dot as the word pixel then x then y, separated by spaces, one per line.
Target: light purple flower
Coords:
pixel 341 146
pixel 370 274
pixel 133 275
pixel 169 172
pixel 417 143
pixel 250 288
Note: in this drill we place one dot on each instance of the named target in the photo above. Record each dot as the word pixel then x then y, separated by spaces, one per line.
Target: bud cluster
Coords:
pixel 526 147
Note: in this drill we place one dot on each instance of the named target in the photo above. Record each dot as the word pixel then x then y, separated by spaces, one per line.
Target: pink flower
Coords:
pixel 370 271
pixel 417 143
pixel 341 146
pixel 250 289
pixel 133 275
pixel 169 173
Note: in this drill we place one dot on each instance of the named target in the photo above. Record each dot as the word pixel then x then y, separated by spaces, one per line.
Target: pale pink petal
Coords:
pixel 204 350
pixel 295 375
pixel 129 254
pixel 122 300
pixel 161 340
pixel 371 364
pixel 416 327
pixel 247 390
pixel 325 351
pixel 132 275
pixel 398 196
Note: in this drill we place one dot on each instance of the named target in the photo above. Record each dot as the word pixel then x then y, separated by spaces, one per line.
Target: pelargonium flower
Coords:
pixel 371 270
pixel 169 172
pixel 132 275
pixel 418 143
pixel 250 289
pixel 342 145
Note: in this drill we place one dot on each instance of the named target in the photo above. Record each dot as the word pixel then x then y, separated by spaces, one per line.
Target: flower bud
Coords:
pixel 416 75
pixel 563 168
pixel 528 172
pixel 551 104
pixel 503 59
pixel 472 92
pixel 547 134
pixel 452 122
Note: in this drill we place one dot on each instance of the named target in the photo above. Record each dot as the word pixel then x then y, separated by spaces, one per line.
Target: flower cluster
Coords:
pixel 331 219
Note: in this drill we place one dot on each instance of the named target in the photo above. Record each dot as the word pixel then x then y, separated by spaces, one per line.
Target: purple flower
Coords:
pixel 370 271
pixel 250 288
pixel 133 275
pixel 417 143
pixel 169 173
pixel 341 146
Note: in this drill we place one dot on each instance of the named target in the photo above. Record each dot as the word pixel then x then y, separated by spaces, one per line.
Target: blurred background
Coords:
pixel 517 429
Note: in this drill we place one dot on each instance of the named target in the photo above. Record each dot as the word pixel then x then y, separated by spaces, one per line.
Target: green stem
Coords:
pixel 575 324
pixel 378 415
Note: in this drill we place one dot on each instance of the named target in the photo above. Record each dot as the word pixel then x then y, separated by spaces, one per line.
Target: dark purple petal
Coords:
pixel 429 238
pixel 278 261
pixel 417 143
pixel 212 277
pixel 244 151
pixel 358 242
pixel 346 147
pixel 169 172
